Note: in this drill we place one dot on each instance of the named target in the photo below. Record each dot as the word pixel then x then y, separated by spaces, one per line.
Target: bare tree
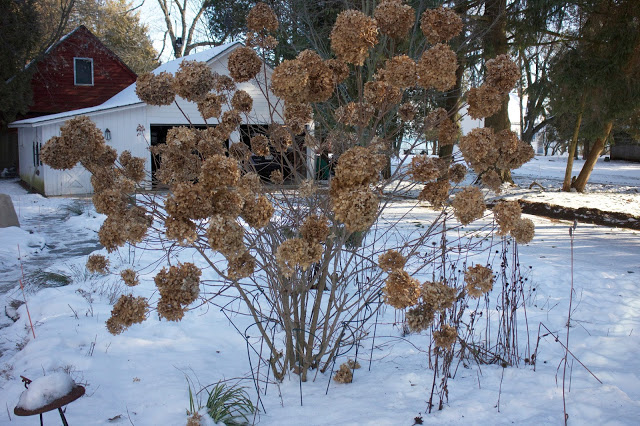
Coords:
pixel 182 19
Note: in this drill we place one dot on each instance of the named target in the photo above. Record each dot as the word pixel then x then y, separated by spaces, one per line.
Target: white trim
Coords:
pixel 75 77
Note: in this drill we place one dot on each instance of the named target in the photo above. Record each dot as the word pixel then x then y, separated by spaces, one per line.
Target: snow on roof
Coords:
pixel 127 97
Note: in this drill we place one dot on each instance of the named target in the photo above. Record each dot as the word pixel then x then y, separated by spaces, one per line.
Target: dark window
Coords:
pixel 83 71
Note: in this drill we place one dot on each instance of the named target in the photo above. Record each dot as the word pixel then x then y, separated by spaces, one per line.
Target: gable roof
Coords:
pixel 127 98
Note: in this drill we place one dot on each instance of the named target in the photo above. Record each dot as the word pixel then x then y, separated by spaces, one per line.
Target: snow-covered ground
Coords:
pixel 140 376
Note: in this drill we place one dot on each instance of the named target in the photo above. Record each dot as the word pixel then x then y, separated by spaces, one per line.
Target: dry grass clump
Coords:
pixel 296 252
pixel 179 286
pixel 97 264
pixel 344 374
pixel 156 89
pixel 129 277
pixel 315 228
pixel 435 193
pixel 478 280
pixel 244 64
pixel 437 68
pixel 400 71
pixel 242 101
pixel 261 18
pixel 445 337
pixel 440 25
pixel 468 205
pixel 297 116
pixel 507 215
pixel 391 261
pixel 127 311
pixel 353 34
pixel 241 267
pixel 260 145
pixel 394 18
pixel 193 80
pixel 400 290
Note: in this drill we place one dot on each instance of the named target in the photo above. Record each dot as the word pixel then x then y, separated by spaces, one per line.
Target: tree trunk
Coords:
pixel 595 151
pixel 566 185
pixel 496 43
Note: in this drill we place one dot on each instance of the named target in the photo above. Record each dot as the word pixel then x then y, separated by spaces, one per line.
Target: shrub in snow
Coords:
pixel 306 260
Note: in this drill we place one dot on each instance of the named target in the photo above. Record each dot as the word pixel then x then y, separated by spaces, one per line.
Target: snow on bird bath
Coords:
pixel 44 390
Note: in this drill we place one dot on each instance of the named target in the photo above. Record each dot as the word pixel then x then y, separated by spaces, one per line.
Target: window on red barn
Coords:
pixel 83 71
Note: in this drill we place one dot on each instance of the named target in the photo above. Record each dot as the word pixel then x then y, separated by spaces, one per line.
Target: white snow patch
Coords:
pixel 44 390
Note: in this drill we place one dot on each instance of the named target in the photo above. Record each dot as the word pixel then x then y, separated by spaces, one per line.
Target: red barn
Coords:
pixel 77 72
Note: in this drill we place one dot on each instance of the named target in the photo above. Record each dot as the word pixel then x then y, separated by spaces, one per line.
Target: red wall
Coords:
pixel 53 85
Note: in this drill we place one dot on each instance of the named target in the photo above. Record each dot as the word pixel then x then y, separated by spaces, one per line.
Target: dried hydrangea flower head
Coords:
pixel 181 230
pixel 127 311
pixel 523 231
pixel 261 18
pixel 424 168
pixel 353 34
pixel 484 101
pixel 478 280
pixel 419 318
pixel 468 205
pixel 297 252
pixel 242 101
pixel 478 148
pixel 97 264
pixel 280 137
pixel 223 83
pixel 79 140
pixel 436 193
pixel 344 374
pixel 491 179
pixel 339 69
pixel 193 80
pixel 357 208
pixel 241 267
pixel 355 114
pixel 210 106
pixel 218 172
pixel 457 173
pixel 129 277
pixel 446 337
pixel 400 71
pixel 244 64
pixel 502 73
pixel 321 77
pixel 179 286
pixel 394 18
pixel 437 68
pixel 290 81
pixel 400 290
pixel 127 227
pixel 407 111
pixel 440 25
pixel 260 145
pixel 382 95
pixel 437 296
pixel 315 228
pixel 391 261
pixel 132 167
pixel 276 177
pixel 359 166
pixel 507 214
pixel 226 236
pixel 297 116
pixel 257 212
pixel 155 89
